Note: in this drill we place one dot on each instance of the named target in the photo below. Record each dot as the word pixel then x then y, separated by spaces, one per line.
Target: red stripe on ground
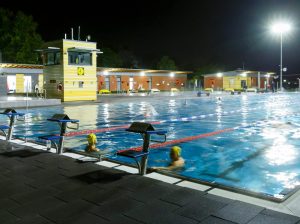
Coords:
pixel 85 132
pixel 176 141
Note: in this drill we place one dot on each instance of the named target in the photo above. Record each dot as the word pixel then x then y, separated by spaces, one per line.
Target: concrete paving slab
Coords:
pixel 216 220
pixel 128 169
pixel 61 213
pixel 153 192
pixel 152 212
pixel 107 164
pixel 83 217
pixel 37 219
pixel 7 217
pixel 120 205
pixel 193 185
pixel 256 201
pixel 182 196
pixel 87 193
pixel 201 208
pixel 238 212
pixel 260 218
pixel 33 208
pixel 164 178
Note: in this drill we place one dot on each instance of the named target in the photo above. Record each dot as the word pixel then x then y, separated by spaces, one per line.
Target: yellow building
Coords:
pixel 70 70
pixel 239 80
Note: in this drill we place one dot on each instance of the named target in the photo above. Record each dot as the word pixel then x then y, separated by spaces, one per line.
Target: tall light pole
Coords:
pixel 281 61
pixel 281 28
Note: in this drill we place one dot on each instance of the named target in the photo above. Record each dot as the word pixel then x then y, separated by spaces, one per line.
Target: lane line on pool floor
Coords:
pixel 183 119
pixel 204 135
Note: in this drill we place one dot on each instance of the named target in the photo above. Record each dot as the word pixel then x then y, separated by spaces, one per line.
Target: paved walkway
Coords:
pixel 42 187
pixel 23 102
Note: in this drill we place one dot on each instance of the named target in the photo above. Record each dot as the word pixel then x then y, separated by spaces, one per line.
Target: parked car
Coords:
pixel 210 90
pixel 155 90
pixel 174 90
pixel 104 91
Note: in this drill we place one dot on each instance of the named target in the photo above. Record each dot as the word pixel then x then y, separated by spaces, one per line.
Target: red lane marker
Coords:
pixel 186 139
pixel 84 132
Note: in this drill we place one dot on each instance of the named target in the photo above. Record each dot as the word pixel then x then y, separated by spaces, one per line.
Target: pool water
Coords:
pixel 247 143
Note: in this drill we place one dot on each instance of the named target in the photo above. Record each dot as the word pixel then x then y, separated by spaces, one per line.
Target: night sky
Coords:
pixel 227 33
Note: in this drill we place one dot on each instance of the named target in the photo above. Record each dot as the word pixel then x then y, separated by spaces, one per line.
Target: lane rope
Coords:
pixel 183 119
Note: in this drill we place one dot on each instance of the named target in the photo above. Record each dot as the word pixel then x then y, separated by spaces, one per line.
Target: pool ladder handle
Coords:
pixel 13 116
pixel 3 128
pixel 63 129
pixel 52 139
pixel 142 166
pixel 134 155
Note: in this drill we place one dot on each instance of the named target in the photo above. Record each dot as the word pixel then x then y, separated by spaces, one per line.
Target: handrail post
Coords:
pixel 144 160
pixel 11 127
pixel 62 134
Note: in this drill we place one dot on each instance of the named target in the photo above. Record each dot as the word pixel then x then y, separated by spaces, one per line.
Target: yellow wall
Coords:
pixel 41 81
pixel 68 76
pixel 53 75
pixel 236 82
pixel 72 92
pixel 19 83
pixel 249 82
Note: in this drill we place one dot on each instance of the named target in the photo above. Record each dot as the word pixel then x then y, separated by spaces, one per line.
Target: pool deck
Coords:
pixel 23 102
pixel 42 187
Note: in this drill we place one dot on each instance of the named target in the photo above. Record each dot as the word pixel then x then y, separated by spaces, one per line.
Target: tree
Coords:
pixel 18 37
pixel 197 76
pixel 109 58
pixel 129 58
pixel 166 63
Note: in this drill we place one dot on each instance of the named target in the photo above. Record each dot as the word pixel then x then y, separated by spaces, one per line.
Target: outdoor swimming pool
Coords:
pixel 247 143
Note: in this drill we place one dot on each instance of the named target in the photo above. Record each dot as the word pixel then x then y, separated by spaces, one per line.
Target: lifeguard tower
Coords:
pixel 70 70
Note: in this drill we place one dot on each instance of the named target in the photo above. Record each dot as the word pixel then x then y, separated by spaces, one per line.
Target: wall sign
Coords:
pixel 80 71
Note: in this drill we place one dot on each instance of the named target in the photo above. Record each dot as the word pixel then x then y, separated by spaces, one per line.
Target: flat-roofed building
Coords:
pixel 239 79
pixel 70 70
pixel 20 78
pixel 123 79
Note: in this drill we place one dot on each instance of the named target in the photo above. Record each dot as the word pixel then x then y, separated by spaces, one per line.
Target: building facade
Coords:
pixel 69 82
pixel 239 80
pixel 121 79
pixel 70 70
pixel 20 78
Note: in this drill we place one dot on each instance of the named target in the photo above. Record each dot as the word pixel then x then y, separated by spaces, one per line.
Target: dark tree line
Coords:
pixel 18 38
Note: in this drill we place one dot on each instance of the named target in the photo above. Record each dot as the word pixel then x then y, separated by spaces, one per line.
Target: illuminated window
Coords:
pixel 52 58
pixel 80 58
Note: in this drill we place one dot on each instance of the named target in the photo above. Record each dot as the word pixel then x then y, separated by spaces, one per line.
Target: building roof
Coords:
pixel 239 72
pixel 100 69
pixel 28 66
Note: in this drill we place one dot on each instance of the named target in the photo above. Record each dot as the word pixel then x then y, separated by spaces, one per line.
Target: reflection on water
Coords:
pixel 84 113
pixel 105 113
pixel 288 179
pixel 262 155
pixel 280 154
